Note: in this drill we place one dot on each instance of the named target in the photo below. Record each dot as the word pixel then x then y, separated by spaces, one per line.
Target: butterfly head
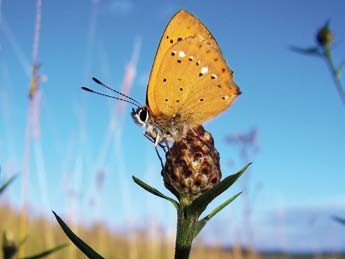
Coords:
pixel 157 129
pixel 141 116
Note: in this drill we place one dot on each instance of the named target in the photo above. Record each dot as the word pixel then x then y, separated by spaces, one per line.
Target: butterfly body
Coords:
pixel 161 128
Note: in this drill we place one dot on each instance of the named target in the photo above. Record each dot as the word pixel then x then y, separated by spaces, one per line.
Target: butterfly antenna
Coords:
pixel 115 91
pixel 110 96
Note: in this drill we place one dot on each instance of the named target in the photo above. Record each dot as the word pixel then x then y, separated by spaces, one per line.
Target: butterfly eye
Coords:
pixel 143 114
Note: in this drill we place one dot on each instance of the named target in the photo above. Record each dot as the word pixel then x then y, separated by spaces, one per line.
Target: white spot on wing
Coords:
pixel 204 70
pixel 181 54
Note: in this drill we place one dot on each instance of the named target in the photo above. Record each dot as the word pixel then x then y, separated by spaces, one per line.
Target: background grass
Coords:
pixel 111 244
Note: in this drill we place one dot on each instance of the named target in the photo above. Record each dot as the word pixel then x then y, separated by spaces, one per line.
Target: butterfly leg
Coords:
pixel 160 158
pixel 157 140
pixel 166 147
pixel 150 138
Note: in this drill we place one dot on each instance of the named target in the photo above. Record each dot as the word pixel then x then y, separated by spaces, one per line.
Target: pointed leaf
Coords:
pixel 202 222
pixel 339 220
pixel 6 184
pixel 200 203
pixel 327 23
pixel 222 206
pixel 84 247
pixel 154 191
pixel 337 73
pixel 46 253
pixel 307 51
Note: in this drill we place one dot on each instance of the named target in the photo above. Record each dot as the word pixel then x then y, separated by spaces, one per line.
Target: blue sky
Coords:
pixel 297 178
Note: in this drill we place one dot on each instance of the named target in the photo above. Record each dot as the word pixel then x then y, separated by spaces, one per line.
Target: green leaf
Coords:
pixel 4 239
pixel 200 203
pixel 327 23
pixel 46 253
pixel 154 191
pixel 337 73
pixel 202 222
pixel 6 184
pixel 307 51
pixel 84 247
pixel 339 220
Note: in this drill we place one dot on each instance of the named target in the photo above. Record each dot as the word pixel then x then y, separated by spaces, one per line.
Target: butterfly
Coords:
pixel 189 84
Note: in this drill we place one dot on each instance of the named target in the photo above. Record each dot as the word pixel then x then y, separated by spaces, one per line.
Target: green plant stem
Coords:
pixel 186 224
pixel 339 86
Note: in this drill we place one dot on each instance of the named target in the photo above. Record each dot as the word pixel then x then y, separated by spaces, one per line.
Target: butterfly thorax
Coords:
pixel 160 127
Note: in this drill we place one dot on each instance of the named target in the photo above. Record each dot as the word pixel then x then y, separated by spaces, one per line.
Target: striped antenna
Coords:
pixel 113 97
pixel 135 102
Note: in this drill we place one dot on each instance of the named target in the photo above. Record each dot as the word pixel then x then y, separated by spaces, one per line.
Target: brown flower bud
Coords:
pixel 192 165
pixel 325 36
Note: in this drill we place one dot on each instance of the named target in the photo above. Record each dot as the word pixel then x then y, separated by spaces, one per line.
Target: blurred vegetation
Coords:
pixel 118 245
pixel 9 245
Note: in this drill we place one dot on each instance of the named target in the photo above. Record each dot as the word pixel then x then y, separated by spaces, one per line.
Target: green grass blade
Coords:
pixel 4 239
pixel 46 253
pixel 84 247
pixel 154 191
pixel 6 184
pixel 339 220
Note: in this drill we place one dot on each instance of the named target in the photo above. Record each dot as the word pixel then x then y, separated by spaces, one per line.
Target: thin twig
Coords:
pixel 338 84
pixel 37 31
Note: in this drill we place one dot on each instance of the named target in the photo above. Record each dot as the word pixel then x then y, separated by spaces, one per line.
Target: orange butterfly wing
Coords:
pixel 194 82
pixel 182 25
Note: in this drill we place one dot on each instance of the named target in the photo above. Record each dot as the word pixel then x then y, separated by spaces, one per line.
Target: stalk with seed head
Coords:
pixel 192 173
